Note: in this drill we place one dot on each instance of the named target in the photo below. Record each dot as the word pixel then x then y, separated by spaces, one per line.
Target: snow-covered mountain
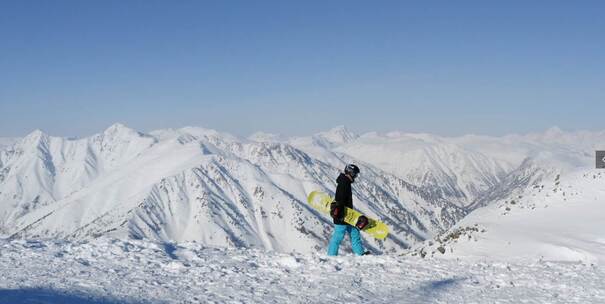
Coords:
pixel 335 137
pixel 559 218
pixel 195 184
pixel 432 162
pixel 6 142
pixel 467 169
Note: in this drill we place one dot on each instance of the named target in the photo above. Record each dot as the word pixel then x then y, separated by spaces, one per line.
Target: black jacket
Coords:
pixel 344 195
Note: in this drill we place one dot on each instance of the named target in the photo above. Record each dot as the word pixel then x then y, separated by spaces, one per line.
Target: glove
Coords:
pixel 337 211
pixel 362 222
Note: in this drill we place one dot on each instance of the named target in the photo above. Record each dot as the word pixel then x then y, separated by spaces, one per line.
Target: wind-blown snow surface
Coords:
pixel 117 271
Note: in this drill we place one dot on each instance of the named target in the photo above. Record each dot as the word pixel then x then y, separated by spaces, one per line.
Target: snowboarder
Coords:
pixel 344 198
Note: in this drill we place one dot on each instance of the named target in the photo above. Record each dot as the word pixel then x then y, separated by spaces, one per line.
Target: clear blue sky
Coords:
pixel 72 68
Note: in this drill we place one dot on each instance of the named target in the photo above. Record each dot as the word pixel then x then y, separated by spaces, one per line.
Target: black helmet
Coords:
pixel 352 170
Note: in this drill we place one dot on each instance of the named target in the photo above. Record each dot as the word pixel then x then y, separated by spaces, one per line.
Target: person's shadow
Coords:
pixel 430 291
pixel 49 296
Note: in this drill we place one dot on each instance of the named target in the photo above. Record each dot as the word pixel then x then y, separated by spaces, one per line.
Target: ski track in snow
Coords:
pixel 120 271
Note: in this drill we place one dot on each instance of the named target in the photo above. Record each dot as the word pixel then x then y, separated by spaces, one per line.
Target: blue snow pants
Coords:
pixel 339 234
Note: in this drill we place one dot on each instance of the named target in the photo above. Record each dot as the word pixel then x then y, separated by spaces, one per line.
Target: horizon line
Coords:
pixel 335 128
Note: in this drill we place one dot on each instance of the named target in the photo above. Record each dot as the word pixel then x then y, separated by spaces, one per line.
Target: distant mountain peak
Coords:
pixel 35 137
pixel 338 135
pixel 342 129
pixel 118 127
pixel 553 131
pixel 121 130
pixel 212 135
pixel 35 134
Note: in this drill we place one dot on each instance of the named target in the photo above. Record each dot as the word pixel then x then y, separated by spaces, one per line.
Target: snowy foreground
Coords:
pixel 117 271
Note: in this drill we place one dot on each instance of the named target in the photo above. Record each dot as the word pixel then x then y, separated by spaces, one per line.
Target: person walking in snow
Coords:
pixel 344 198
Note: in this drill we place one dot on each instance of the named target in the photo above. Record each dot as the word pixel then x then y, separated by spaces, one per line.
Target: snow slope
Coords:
pixel 118 271
pixel 558 219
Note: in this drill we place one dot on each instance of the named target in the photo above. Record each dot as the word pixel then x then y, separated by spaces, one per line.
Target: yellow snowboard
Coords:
pixel 321 202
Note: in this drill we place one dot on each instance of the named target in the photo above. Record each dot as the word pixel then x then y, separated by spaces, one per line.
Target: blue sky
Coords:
pixel 72 68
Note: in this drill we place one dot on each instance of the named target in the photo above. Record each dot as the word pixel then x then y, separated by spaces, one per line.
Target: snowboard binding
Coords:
pixel 362 222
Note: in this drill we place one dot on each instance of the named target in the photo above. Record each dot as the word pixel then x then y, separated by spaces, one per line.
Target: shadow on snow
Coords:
pixel 436 289
pixel 48 296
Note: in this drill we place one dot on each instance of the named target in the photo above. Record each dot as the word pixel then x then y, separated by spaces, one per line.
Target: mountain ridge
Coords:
pixel 196 184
